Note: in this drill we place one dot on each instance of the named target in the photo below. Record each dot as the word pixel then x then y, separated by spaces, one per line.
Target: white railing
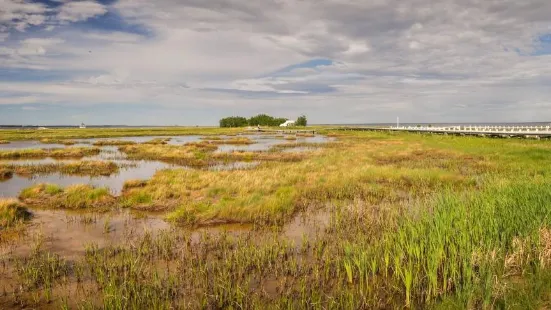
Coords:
pixel 480 129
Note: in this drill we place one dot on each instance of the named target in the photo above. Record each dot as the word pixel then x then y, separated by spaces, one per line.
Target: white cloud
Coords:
pixel 20 14
pixel 451 59
pixel 119 37
pixel 75 11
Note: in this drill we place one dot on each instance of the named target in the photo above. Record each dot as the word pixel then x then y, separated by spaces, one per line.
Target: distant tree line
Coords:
pixel 234 121
pixel 258 120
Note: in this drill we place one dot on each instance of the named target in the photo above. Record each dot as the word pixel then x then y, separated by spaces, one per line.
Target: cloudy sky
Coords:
pixel 190 62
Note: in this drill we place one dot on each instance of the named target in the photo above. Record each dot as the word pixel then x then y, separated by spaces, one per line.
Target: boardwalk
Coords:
pixel 535 132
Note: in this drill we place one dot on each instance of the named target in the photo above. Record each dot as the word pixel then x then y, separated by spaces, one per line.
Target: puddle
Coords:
pixel 68 233
pixel 174 140
pixel 306 226
pixel 143 169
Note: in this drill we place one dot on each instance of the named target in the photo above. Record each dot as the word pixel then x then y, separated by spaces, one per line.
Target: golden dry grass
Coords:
pixel 158 141
pixel 5 173
pixel 69 152
pixel 57 141
pixel 86 167
pixel 113 143
pixel 191 154
pixel 277 190
pixel 12 212
pixel 79 196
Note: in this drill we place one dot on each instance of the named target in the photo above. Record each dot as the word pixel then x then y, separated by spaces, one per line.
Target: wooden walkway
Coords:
pixel 534 132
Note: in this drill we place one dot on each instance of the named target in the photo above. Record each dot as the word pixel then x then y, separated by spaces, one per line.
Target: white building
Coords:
pixel 288 123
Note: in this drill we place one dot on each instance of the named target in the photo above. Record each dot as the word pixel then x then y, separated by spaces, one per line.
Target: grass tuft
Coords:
pixel 69 152
pixel 78 196
pixel 57 141
pixel 90 168
pixel 12 213
pixel 113 143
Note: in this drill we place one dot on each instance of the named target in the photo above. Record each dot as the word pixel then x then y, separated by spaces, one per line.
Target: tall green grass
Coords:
pixel 465 245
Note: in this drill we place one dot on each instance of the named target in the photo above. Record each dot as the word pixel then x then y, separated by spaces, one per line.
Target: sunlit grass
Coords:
pixel 191 154
pixel 158 141
pixel 12 213
pixel 77 133
pixel 69 152
pixel 57 141
pixel 113 142
pixel 86 167
pixel 414 221
pixel 78 196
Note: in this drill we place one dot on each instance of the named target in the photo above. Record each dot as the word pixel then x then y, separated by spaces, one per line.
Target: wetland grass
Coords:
pixel 413 222
pixel 290 145
pixel 86 167
pixel 57 141
pixel 5 173
pixel 191 154
pixel 157 141
pixel 113 143
pixel 69 152
pixel 12 213
pixel 233 141
pixel 76 133
pixel 454 251
pixel 78 196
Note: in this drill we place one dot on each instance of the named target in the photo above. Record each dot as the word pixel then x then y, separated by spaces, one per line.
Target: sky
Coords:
pixel 191 62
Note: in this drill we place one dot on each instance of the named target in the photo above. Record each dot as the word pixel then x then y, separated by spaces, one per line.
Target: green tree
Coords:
pixel 278 121
pixel 265 120
pixel 233 121
pixel 301 121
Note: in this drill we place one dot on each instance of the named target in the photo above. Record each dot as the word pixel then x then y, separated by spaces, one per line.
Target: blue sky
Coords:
pixel 190 62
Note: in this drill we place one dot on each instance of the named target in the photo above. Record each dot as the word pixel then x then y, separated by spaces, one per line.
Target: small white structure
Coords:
pixel 82 125
pixel 288 123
